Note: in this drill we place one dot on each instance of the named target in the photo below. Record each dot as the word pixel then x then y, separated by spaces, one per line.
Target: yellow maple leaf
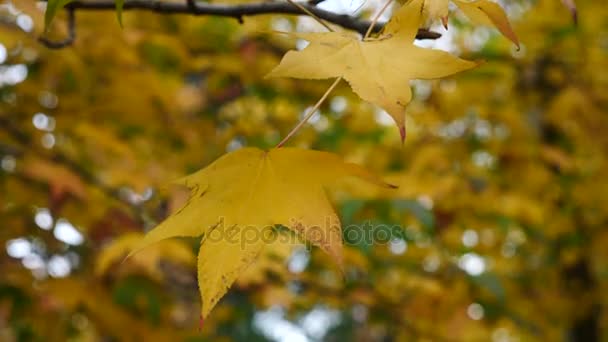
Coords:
pixel 480 12
pixel 378 70
pixel 236 201
pixel 488 13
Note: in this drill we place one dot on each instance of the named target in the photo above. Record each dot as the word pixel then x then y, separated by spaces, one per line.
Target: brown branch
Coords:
pixel 232 11
pixel 71 33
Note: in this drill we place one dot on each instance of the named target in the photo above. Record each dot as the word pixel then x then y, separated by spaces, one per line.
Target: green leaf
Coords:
pixel 119 5
pixel 140 295
pixel 52 6
pixel 424 215
pixel 492 283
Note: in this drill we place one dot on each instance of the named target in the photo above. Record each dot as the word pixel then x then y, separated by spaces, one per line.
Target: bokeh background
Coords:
pixel 502 208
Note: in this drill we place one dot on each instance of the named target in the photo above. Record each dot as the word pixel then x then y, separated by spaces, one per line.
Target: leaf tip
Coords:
pixel 131 253
pixel 201 322
pixel 571 5
pixel 515 40
pixel 444 21
pixel 119 7
pixel 273 73
pixel 402 133
pixel 479 63
pixel 125 258
pixel 139 246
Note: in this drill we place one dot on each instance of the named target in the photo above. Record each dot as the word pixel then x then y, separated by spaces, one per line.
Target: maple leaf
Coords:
pixel 481 12
pixel 236 201
pixel 434 9
pixel 52 7
pixel 378 70
pixel 61 180
pixel 488 13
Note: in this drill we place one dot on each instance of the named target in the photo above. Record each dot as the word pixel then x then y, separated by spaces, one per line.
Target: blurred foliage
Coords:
pixel 498 231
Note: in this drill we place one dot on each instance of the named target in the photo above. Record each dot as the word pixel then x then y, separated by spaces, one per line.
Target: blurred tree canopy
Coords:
pixel 497 231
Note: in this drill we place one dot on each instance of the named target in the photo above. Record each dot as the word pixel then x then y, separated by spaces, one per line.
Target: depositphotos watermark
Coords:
pixel 354 234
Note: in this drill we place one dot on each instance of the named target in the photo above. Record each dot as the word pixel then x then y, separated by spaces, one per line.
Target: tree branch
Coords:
pixel 71 33
pixel 238 11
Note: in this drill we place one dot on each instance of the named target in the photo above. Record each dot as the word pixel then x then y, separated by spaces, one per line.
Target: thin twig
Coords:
pixel 305 10
pixel 191 4
pixel 571 5
pixel 237 11
pixel 375 20
pixel 310 113
pixel 71 33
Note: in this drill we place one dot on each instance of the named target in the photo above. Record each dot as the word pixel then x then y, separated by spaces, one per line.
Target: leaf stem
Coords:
pixel 310 113
pixel 314 16
pixel 375 20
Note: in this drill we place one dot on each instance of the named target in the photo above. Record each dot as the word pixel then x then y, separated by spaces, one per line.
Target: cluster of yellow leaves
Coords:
pixel 236 201
pixel 480 12
pixel 463 195
pixel 379 69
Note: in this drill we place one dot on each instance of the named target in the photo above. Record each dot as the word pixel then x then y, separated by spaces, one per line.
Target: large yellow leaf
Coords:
pixel 236 201
pixel 378 70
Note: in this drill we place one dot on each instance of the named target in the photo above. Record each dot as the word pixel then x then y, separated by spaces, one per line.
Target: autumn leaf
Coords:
pixel 52 6
pixel 485 12
pixel 481 12
pixel 148 260
pixel 378 70
pixel 236 201
pixel 437 9
pixel 60 179
pixel 119 6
